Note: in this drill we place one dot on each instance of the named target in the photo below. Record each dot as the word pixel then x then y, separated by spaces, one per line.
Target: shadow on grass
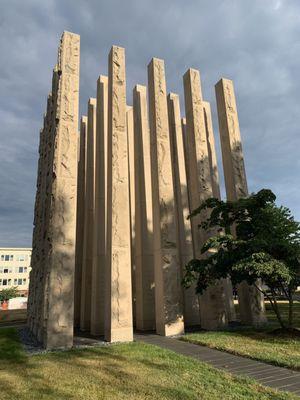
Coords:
pixel 10 346
pixel 135 371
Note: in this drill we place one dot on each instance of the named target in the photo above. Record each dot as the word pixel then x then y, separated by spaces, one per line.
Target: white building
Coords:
pixel 15 268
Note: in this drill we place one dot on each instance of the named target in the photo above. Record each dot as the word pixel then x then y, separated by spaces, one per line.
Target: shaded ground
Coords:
pixel 124 371
pixel 259 344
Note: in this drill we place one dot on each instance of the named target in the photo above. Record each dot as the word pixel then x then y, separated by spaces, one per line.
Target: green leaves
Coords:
pixel 8 293
pixel 256 240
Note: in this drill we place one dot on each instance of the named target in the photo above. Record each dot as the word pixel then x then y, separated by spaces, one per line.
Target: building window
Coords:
pixel 7 257
pixel 9 282
pixel 19 281
pixel 25 269
pixel 15 282
pixel 5 271
pixel 4 282
pixel 24 281
pixel 21 270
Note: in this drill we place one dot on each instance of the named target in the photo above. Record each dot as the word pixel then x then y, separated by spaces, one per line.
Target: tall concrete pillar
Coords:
pixel 212 156
pixel 191 301
pixel 99 228
pixel 45 242
pixel 131 174
pixel 144 274
pixel 212 302
pixel 167 271
pixel 89 220
pixel 118 300
pixel 59 304
pixel 251 301
pixel 80 218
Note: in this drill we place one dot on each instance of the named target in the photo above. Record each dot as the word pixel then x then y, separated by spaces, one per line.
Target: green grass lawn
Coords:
pixel 259 344
pixel 126 371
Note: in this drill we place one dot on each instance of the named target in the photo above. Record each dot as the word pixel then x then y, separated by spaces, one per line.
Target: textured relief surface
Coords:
pixel 50 310
pixel 143 224
pixel 131 177
pixel 200 185
pixel 118 318
pixel 168 300
pixel 191 303
pixel 250 300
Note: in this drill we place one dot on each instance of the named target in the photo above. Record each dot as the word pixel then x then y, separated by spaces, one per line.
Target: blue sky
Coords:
pixel 256 43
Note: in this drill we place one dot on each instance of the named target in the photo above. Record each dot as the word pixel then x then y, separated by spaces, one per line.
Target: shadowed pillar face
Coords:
pixel 168 291
pixel 62 188
pixel 191 303
pixel 131 172
pixel 212 157
pixel 144 275
pixel 99 227
pixel 80 218
pixel 212 302
pixel 216 193
pixel 89 220
pixel 251 301
pixel 200 187
pixel 118 321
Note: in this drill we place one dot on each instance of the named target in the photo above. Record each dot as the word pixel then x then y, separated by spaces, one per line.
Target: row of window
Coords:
pixel 11 257
pixel 17 282
pixel 18 270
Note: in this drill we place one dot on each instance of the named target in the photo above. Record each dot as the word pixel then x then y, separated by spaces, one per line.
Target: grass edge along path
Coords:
pixel 256 344
pixel 134 371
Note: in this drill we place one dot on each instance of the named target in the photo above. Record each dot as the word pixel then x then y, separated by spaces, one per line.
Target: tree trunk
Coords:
pixel 276 310
pixel 273 305
pixel 291 309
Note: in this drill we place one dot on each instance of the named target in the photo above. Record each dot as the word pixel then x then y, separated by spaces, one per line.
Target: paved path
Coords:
pixel 266 374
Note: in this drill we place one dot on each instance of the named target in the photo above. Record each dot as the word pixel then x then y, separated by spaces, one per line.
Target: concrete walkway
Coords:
pixel 266 374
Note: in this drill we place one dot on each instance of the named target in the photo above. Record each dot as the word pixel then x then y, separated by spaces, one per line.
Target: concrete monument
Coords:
pixel 117 262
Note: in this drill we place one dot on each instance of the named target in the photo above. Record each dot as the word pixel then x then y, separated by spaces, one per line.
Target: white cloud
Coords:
pixel 254 42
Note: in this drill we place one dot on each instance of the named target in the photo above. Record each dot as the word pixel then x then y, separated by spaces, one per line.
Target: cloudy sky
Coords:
pixel 254 42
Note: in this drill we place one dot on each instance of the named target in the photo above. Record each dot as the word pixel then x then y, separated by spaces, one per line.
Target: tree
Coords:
pixel 256 240
pixel 9 293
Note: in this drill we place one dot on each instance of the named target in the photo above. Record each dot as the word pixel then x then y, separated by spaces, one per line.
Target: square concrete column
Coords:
pixel 62 215
pixel 118 300
pixel 80 218
pixel 212 302
pixel 251 301
pixel 89 220
pixel 99 240
pixel 167 270
pixel 144 262
pixel 131 175
pixel 212 156
pixel 191 301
